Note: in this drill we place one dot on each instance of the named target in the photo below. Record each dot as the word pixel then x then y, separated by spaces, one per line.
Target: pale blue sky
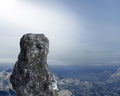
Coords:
pixel 80 31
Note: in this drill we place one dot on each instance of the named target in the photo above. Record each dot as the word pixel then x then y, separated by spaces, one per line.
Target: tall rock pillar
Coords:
pixel 31 75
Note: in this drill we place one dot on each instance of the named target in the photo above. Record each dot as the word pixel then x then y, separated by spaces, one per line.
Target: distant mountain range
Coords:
pixel 115 77
pixel 5 85
pixel 96 82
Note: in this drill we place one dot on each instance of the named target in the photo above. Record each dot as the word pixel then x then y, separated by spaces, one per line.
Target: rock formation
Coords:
pixel 31 75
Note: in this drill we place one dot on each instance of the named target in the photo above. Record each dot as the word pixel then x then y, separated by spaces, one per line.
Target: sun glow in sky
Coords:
pixel 21 17
pixel 41 17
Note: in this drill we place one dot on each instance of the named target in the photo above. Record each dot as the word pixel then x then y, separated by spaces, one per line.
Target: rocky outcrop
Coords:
pixel 31 75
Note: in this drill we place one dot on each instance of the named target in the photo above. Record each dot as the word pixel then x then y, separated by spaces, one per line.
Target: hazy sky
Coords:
pixel 79 31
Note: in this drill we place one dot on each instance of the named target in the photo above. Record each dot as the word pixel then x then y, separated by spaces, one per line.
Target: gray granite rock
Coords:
pixel 31 75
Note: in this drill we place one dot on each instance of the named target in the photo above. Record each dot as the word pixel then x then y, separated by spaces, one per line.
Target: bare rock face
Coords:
pixel 31 75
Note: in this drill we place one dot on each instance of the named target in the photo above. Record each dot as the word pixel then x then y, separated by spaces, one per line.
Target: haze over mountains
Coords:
pixel 88 31
pixel 79 85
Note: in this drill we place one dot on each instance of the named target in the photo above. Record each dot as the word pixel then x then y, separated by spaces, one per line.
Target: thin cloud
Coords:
pixel 80 32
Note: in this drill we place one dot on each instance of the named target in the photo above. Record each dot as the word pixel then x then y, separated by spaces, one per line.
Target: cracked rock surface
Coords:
pixel 31 75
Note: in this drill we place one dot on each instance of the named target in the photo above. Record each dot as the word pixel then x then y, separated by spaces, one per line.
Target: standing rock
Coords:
pixel 31 75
